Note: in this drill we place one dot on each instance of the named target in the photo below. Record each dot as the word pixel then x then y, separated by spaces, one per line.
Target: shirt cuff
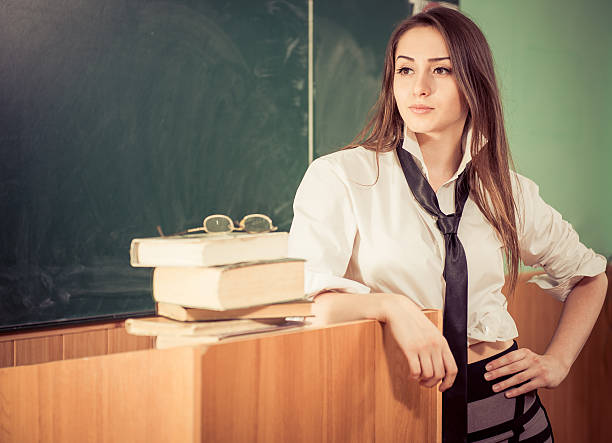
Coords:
pixel 561 288
pixel 316 283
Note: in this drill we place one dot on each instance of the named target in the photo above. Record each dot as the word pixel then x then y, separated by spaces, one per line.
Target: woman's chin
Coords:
pixel 421 128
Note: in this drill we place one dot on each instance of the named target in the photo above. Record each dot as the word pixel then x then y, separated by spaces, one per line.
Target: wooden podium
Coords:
pixel 341 383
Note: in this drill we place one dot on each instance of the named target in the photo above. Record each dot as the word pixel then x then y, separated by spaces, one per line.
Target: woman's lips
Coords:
pixel 420 109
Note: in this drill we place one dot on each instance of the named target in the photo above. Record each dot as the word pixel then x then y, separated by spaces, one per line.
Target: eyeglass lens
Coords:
pixel 218 224
pixel 256 224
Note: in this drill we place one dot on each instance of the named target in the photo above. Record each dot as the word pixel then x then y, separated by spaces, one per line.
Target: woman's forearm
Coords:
pixel 336 307
pixel 580 312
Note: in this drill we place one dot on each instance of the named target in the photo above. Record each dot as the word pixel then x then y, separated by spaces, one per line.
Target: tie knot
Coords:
pixel 448 224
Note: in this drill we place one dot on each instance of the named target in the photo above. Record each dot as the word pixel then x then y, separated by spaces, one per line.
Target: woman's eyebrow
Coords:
pixel 434 59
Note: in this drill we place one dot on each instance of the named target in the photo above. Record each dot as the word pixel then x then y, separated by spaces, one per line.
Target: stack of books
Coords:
pixel 208 287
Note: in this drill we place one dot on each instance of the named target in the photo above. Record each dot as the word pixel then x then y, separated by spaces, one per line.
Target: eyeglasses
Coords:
pixel 222 224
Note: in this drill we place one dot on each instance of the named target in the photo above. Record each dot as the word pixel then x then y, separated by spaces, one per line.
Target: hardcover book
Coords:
pixel 299 308
pixel 238 285
pixel 207 249
pixel 169 333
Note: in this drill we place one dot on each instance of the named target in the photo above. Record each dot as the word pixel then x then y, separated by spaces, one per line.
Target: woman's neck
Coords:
pixel 442 154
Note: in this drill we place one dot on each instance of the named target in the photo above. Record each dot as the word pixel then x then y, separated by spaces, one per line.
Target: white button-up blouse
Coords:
pixel 360 238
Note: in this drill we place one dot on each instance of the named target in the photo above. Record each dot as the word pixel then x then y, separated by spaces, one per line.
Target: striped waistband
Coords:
pixel 479 388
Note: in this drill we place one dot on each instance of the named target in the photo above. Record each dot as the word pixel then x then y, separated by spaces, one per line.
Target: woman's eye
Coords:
pixel 404 71
pixel 442 71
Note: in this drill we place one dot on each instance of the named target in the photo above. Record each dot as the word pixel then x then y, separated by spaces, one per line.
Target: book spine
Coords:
pixel 134 254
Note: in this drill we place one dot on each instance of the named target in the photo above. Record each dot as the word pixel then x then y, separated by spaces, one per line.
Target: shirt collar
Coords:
pixel 411 145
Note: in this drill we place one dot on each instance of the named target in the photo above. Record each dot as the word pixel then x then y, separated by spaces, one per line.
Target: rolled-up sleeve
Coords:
pixel 548 241
pixel 323 230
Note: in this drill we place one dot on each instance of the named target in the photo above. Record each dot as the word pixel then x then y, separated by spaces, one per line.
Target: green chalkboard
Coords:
pixel 350 42
pixel 350 38
pixel 121 115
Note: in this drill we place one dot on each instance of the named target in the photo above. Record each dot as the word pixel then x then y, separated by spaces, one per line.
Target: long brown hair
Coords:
pixel 472 62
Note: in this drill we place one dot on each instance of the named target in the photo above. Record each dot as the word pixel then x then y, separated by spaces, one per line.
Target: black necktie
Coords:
pixel 454 326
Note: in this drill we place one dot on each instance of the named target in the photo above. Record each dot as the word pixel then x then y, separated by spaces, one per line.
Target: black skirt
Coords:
pixel 494 418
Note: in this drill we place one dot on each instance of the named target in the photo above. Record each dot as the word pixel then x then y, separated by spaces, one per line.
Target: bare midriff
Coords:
pixel 481 350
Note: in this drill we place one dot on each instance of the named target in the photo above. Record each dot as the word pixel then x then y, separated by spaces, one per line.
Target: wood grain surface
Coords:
pixel 317 384
pixel 579 409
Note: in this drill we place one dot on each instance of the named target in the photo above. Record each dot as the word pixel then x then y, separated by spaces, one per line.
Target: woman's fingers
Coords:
pixel 510 368
pixel 516 379
pixel 414 365
pixel 450 368
pixel 426 367
pixel 510 357
pixel 527 387
pixel 438 370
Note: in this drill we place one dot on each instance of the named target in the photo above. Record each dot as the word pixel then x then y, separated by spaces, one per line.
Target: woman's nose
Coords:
pixel 421 86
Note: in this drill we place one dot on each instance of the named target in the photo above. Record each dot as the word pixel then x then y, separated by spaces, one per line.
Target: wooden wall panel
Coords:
pixel 144 396
pixel 48 332
pixel 596 367
pixel 85 344
pixel 7 355
pixel 579 406
pixel 352 382
pixel 69 342
pixel 38 350
pixel 399 398
pixel 295 386
pixel 121 341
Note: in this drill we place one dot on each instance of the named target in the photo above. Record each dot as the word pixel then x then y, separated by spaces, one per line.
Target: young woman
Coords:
pixel 425 200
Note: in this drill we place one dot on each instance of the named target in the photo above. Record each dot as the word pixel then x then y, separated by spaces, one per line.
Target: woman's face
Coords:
pixel 424 86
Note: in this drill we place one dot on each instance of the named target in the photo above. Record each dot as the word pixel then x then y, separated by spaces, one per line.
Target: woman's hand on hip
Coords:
pixel 429 357
pixel 532 369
